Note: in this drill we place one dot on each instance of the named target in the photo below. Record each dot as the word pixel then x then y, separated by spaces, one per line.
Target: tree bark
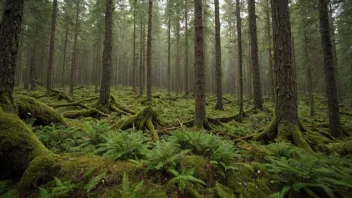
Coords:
pixel 63 75
pixel 51 50
pixel 240 60
pixel 178 68
pixel 258 101
pixel 271 72
pixel 10 30
pixel 134 48
pixel 186 49
pixel 33 65
pixel 104 97
pixel 74 52
pixel 149 53
pixel 218 74
pixel 309 75
pixel 199 83
pixel 329 70
pixel 169 53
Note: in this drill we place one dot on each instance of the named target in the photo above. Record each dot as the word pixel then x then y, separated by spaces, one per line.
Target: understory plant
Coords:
pixel 127 190
pixel 184 178
pixel 313 176
pixel 124 145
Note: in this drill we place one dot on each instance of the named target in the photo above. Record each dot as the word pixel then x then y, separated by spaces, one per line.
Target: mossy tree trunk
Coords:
pixel 285 126
pixel 10 29
pixel 104 97
pixel 149 53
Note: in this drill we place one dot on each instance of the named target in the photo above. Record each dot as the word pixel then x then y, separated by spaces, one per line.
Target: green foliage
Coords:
pixel 92 136
pixel 184 178
pixel 124 145
pixel 284 149
pixel 127 191
pixel 93 182
pixel 164 155
pixel 5 192
pixel 201 143
pixel 62 189
pixel 310 176
pixel 58 138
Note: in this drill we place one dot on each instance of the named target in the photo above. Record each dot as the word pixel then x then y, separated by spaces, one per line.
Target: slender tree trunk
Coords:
pixel 271 72
pixel 104 97
pixel 149 52
pixel 309 75
pixel 177 70
pixel 134 47
pixel 240 61
pixel 258 101
pixel 141 57
pixel 33 67
pixel 74 52
pixel 19 71
pixel 169 54
pixel 294 64
pixel 10 30
pixel 329 70
pixel 26 80
pixel 199 78
pixel 218 74
pixel 63 75
pixel 186 49
pixel 51 50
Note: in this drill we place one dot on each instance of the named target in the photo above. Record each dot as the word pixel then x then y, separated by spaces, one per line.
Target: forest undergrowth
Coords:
pixel 153 151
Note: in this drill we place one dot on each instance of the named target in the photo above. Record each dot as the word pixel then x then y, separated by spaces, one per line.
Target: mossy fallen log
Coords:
pixel 28 107
pixel 22 154
pixel 60 94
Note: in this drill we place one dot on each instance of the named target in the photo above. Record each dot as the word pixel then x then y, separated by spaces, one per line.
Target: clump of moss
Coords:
pixel 20 149
pixel 30 107
pixel 202 168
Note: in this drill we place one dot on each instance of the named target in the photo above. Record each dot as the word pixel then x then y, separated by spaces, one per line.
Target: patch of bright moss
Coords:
pixel 200 164
pixel 30 107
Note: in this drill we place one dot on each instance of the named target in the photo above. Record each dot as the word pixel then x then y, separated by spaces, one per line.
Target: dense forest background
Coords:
pixel 130 20
pixel 175 98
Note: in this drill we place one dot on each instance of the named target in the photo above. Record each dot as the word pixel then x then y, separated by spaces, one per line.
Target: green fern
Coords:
pixel 62 189
pixel 123 145
pixel 313 176
pixel 5 192
pixel 93 182
pixel 164 155
pixel 126 190
pixel 184 178
pixel 3 186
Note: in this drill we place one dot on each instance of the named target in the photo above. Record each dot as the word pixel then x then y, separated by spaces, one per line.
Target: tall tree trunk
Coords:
pixel 33 66
pixel 26 80
pixel 186 49
pixel 240 60
pixel 309 75
pixel 329 70
pixel 178 68
pixel 149 53
pixel 218 74
pixel 271 72
pixel 285 126
pixel 10 30
pixel 257 91
pixel 63 75
pixel 74 52
pixel 134 47
pixel 169 53
pixel 19 71
pixel 141 57
pixel 199 78
pixel 104 97
pixel 51 50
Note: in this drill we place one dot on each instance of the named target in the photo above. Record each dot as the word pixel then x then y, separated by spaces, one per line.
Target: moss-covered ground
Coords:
pixel 93 156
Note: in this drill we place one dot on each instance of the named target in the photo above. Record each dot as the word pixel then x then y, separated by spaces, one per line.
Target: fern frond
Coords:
pixel 94 181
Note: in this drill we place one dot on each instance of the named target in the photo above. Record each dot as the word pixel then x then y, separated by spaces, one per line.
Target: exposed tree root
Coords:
pixel 121 107
pixel 147 118
pixel 60 94
pixel 28 107
pixel 284 132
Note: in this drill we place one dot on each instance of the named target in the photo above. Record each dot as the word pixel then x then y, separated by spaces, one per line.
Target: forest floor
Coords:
pixel 152 151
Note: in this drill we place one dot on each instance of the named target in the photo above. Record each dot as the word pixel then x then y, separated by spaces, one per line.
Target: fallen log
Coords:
pixel 60 94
